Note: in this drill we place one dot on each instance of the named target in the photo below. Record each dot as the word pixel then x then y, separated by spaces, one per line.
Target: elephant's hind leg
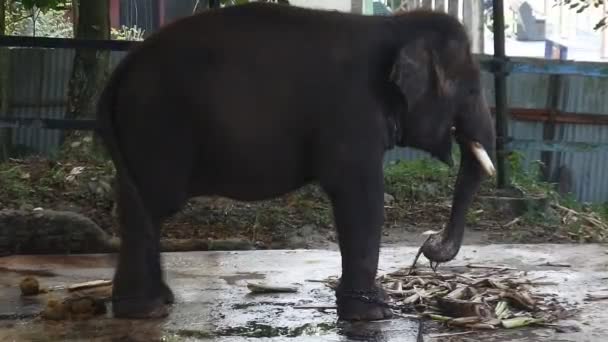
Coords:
pixel 140 290
pixel 137 291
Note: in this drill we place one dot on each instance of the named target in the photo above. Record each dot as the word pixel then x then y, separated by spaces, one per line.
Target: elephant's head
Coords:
pixel 439 81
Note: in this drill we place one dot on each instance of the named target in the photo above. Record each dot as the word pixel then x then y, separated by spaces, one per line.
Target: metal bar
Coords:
pixel 522 65
pixel 66 43
pixel 500 89
pixel 580 69
pixel 525 65
pixel 556 146
pixel 61 124
pixel 549 126
pixel 542 115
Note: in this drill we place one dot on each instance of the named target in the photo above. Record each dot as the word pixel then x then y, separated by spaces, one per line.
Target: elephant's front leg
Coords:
pixel 358 205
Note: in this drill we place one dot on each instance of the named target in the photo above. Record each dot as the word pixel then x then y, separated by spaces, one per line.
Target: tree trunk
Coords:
pixel 75 8
pixel 90 67
pixel 5 133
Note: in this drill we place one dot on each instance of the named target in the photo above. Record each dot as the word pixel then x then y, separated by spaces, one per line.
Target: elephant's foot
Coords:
pixel 140 307
pixel 368 305
pixel 167 293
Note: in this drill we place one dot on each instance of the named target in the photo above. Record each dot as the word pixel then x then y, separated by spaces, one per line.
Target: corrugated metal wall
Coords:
pixel 39 89
pixel 39 84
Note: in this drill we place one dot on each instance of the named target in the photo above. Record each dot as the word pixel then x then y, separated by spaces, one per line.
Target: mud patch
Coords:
pixel 24 272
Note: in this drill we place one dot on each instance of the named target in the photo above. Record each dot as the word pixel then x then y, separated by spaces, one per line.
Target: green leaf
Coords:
pixel 43 4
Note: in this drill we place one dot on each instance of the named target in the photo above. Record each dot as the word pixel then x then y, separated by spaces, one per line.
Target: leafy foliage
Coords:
pixel 44 4
pixel 30 18
pixel 127 33
pixel 581 5
pixel 527 180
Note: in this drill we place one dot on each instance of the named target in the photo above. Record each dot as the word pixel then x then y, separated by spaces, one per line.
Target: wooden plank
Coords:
pixel 543 115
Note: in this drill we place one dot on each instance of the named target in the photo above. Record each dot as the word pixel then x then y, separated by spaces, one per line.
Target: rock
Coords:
pixel 50 231
pixel 230 245
pixel 307 236
pixel 516 206
pixel 55 310
pixel 183 245
pixel 29 286
pixel 388 199
pixel 307 230
pixel 85 306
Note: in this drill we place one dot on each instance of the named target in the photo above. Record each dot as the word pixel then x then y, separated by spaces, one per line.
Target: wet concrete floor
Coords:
pixel 214 304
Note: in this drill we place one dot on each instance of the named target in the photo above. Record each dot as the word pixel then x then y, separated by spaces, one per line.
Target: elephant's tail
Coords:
pixel 108 132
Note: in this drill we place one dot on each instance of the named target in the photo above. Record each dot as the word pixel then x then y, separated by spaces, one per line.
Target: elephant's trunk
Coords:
pixel 445 245
pixel 474 163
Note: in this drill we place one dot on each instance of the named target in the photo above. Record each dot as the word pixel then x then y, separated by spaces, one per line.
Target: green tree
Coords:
pixel 37 18
pixel 5 133
pixel 90 68
pixel 581 5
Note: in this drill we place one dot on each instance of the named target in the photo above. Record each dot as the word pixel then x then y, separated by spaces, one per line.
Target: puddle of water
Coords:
pixel 254 329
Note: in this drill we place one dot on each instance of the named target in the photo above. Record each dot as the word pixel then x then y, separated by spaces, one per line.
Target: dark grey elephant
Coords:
pixel 251 102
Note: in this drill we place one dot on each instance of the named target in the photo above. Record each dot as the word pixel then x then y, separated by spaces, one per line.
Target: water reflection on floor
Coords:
pixel 214 304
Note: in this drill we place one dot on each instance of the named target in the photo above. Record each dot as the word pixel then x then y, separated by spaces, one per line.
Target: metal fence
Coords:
pixel 39 83
pixel 558 110
pixel 39 90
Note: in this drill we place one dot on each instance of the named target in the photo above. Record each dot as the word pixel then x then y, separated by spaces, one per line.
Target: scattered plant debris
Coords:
pixel 268 288
pixel 482 297
pixel 89 285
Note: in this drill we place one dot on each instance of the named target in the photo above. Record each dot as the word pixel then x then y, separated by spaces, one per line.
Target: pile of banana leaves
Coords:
pixel 482 297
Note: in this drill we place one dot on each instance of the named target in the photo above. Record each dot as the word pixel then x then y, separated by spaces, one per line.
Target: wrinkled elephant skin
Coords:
pixel 251 102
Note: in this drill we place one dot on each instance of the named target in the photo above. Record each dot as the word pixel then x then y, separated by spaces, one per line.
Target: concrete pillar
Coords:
pixel 426 4
pixel 439 5
pixel 453 8
pixel 356 6
pixel 472 18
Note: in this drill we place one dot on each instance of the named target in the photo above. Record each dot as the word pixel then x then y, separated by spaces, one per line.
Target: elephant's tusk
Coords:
pixel 482 156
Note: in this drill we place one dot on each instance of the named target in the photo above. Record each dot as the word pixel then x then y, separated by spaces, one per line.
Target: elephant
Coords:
pixel 251 102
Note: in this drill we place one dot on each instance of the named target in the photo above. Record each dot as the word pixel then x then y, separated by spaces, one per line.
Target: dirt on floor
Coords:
pixel 301 219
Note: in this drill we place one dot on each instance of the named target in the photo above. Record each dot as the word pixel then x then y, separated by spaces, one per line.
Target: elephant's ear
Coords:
pixel 412 70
